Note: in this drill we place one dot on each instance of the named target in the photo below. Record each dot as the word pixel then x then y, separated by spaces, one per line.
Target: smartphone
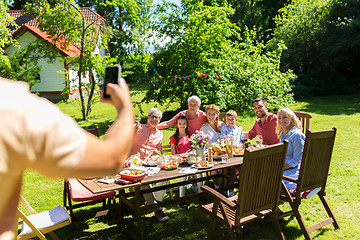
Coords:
pixel 112 75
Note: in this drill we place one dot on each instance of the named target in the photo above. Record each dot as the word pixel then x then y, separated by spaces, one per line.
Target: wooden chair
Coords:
pixel 313 174
pixel 304 119
pixel 166 149
pixel 38 224
pixel 75 192
pixel 95 131
pixel 259 190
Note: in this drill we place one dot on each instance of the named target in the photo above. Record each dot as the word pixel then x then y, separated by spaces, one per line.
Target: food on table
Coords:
pixel 134 160
pixel 192 159
pixel 238 151
pixel 218 148
pixel 170 162
pixel 203 164
pixel 132 175
pixel 132 172
pixel 153 160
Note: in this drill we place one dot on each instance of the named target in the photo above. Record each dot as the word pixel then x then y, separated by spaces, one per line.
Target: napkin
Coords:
pixel 188 170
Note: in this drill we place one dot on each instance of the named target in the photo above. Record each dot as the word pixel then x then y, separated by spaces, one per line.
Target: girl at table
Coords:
pixel 288 127
pixel 180 143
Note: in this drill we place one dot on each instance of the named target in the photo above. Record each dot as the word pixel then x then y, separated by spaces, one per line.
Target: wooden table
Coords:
pixel 164 175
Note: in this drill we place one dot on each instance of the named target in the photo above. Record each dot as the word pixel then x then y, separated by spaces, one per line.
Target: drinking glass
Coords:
pixel 259 140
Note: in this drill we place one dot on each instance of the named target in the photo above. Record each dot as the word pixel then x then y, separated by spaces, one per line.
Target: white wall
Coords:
pixel 52 77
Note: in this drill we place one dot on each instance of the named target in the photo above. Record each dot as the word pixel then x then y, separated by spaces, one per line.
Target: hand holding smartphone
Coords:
pixel 112 75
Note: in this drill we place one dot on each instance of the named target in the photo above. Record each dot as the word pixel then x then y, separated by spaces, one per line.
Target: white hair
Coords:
pixel 154 110
pixel 194 98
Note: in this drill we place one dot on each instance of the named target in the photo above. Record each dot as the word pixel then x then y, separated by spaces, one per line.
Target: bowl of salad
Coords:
pixel 170 163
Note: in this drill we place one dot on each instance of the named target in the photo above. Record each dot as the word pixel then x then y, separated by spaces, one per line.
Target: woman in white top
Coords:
pixel 212 125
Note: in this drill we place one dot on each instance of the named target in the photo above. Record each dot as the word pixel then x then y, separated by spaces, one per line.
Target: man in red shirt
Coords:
pixel 265 124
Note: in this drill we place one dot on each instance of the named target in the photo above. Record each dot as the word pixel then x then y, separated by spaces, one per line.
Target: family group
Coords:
pixel 273 129
pixel 36 134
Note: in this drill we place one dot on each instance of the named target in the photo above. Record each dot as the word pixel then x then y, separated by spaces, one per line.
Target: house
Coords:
pixel 54 78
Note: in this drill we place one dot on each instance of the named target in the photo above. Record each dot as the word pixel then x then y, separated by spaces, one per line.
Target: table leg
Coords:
pixel 137 212
pixel 121 213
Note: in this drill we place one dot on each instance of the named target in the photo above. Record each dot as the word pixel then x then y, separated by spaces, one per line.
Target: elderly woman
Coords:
pixel 194 116
pixel 289 128
pixel 212 125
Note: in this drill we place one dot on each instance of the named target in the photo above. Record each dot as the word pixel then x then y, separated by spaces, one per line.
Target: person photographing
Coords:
pixel 36 135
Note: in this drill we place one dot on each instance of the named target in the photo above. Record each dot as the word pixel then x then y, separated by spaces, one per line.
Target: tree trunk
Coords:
pixel 81 96
pixel 92 90
pixel 83 107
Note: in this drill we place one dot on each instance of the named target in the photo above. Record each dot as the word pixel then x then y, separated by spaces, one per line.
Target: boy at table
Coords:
pixel 230 130
pixel 147 142
pixel 265 124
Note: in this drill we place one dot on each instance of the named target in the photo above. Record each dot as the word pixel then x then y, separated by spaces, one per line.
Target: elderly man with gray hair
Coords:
pixel 193 114
pixel 147 142
pixel 148 138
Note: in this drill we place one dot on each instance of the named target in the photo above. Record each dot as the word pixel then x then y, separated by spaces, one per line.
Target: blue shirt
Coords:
pixel 232 132
pixel 296 141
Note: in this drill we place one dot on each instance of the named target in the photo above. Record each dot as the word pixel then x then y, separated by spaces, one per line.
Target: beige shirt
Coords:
pixel 33 134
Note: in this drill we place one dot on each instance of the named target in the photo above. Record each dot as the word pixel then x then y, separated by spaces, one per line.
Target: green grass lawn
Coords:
pixel 343 185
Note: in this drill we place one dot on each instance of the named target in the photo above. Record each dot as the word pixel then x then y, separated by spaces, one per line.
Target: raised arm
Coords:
pixel 108 156
pixel 169 123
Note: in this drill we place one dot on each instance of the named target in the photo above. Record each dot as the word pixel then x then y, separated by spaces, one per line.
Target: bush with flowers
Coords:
pixel 198 139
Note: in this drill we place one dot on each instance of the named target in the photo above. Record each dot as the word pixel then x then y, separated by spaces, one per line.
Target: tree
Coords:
pixel 205 56
pixel 322 40
pixel 18 66
pixel 5 35
pixel 23 66
pixel 255 15
pixel 129 20
pixel 66 25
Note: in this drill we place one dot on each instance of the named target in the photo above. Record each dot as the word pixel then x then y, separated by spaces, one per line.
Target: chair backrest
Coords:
pixel 165 148
pixel 315 162
pixel 95 131
pixel 304 119
pixel 260 180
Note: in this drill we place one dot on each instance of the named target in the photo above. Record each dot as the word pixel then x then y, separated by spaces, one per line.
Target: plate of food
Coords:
pixel 203 164
pixel 152 161
pixel 133 175
pixel 238 152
